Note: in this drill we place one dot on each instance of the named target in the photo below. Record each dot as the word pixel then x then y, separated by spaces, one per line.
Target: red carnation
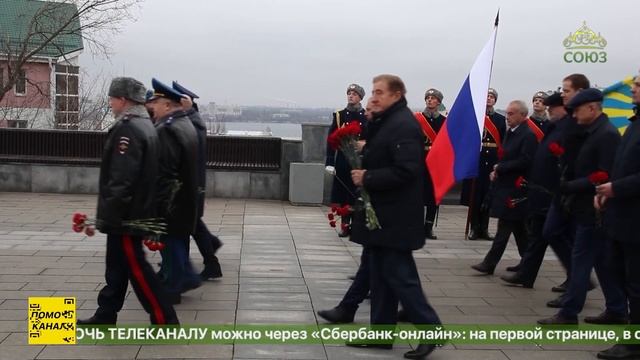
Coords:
pixel 161 246
pixel 556 149
pixel 521 182
pixel 344 227
pixel 332 223
pixel 334 140
pixel 599 177
pixel 78 228
pixel 90 230
pixel 352 129
pixel 79 218
pixel 330 216
pixel 334 208
pixel 510 203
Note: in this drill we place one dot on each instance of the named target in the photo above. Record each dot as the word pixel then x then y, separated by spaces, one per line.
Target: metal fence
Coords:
pixel 85 148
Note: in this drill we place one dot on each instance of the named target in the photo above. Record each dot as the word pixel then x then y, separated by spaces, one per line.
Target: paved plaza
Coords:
pixel 281 264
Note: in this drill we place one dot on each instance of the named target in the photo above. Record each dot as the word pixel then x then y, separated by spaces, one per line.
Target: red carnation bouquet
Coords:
pixel 345 139
pixel 336 213
pixel 155 226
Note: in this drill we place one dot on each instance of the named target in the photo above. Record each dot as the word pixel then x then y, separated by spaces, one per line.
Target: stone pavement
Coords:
pixel 281 264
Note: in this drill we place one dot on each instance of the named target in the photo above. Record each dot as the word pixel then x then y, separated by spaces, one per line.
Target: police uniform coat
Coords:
pixel 488 158
pixel 623 210
pixel 394 160
pixel 178 157
pixel 201 166
pixel 128 173
pixel 519 149
pixel 343 190
pixel 597 152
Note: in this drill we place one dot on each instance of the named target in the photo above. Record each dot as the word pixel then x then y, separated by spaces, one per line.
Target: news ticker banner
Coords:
pixel 52 321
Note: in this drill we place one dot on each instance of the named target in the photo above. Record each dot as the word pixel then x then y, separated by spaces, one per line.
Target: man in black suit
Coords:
pixel 599 139
pixel 393 174
pixel 509 200
pixel 620 198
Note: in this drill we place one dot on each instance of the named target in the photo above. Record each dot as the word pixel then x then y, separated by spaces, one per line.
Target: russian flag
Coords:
pixel 455 154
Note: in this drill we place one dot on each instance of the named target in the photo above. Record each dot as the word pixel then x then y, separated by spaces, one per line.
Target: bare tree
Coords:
pixel 47 22
pixel 94 111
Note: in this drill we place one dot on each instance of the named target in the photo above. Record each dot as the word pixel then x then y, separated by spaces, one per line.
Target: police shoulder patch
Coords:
pixel 123 145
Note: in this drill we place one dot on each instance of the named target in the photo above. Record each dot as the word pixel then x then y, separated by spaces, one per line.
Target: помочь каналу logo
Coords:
pixel 585 46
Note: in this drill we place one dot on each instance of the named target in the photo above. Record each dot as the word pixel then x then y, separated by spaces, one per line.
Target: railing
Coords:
pixel 85 148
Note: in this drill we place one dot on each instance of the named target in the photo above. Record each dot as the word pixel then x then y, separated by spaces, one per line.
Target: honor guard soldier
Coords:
pixel 177 187
pixel 128 174
pixel 430 121
pixel 539 120
pixel 207 243
pixel 474 191
pixel 343 191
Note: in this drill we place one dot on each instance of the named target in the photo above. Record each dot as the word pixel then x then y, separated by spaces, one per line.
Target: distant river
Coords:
pixel 289 131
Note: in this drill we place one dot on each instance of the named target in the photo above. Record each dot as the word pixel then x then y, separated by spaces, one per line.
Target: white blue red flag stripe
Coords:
pixel 454 155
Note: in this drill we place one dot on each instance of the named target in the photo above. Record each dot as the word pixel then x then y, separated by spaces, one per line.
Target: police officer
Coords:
pixel 177 187
pixel 430 121
pixel 539 117
pixel 343 191
pixel 545 174
pixel 599 139
pixel 207 243
pixel 620 198
pixel 509 200
pixel 128 174
pixel 475 191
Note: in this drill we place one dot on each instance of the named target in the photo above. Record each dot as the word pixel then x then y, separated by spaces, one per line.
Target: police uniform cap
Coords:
pixel 493 92
pixel 434 92
pixel 183 90
pixel 128 88
pixel 540 95
pixel 554 99
pixel 357 88
pixel 161 90
pixel 585 96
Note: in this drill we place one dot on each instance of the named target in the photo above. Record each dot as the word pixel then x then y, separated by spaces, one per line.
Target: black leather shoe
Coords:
pixel 485 235
pixel 98 320
pixel 473 235
pixel 337 315
pixel 516 280
pixel 555 303
pixel 483 268
pixel 174 298
pixel 344 233
pixel 620 351
pixel 606 318
pixel 421 352
pixel 428 233
pixel 211 270
pixel 560 288
pixel 558 320
pixel 370 346
pixel 515 268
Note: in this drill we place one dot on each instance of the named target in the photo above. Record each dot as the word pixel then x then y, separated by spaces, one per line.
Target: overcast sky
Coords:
pixel 305 52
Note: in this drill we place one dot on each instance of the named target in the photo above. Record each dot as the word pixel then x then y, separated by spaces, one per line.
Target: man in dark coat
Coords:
pixel 128 174
pixel 430 121
pixel 343 191
pixel 544 178
pixel 393 174
pixel 599 142
pixel 475 191
pixel 177 187
pixel 620 198
pixel 509 200
pixel 207 243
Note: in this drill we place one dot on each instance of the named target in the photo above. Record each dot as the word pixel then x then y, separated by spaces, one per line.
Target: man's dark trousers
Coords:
pixel 126 262
pixel 360 286
pixel 207 243
pixel 394 277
